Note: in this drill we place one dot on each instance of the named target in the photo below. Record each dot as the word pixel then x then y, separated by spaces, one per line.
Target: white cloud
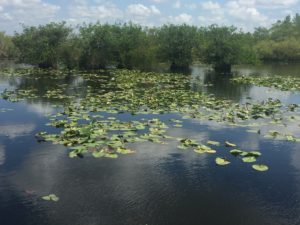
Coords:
pixel 177 4
pixel 6 16
pixel 220 20
pixel 182 5
pixel 142 10
pixel 144 15
pixel 83 12
pixel 268 3
pixel 154 10
pixel 29 12
pixel 210 5
pixel 19 5
pixel 180 19
pixel 241 12
pixel 214 14
pixel 191 6
pixel 159 1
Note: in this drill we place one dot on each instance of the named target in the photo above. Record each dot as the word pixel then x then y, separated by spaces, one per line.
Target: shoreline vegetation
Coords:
pixel 131 46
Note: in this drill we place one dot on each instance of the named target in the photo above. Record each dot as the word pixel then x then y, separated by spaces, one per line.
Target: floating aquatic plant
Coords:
pixel 88 122
pixel 279 82
pixel 51 197
pixel 228 144
pixel 221 161
pixel 260 167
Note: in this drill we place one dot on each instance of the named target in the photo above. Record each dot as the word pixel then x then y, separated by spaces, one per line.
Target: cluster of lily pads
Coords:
pixel 246 156
pixel 280 82
pixel 88 123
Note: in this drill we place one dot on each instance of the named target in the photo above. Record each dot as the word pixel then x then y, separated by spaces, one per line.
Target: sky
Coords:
pixel 245 14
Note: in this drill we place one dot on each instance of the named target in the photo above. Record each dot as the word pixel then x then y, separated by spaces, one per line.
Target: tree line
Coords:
pixel 131 46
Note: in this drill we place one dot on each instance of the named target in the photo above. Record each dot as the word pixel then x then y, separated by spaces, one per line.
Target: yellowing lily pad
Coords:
pixel 221 161
pixel 51 197
pixel 216 143
pixel 260 167
pixel 125 151
pixel 249 159
pixel 228 144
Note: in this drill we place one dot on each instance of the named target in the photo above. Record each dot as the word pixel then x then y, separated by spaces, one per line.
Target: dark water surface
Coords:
pixel 160 184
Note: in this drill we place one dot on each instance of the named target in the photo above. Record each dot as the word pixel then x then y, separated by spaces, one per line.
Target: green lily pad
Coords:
pixel 111 155
pixel 183 147
pixel 125 151
pixel 216 143
pixel 221 161
pixel 236 152
pixel 249 159
pixel 260 167
pixel 228 144
pixel 204 149
pixel 254 153
pixel 98 154
pixel 200 150
pixel 51 197
pixel 211 151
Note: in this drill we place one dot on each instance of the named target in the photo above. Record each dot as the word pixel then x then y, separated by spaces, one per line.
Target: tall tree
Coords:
pixel 41 45
pixel 222 47
pixel 176 43
pixel 7 48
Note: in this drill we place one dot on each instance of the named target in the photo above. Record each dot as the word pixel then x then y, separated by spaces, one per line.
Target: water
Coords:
pixel 158 185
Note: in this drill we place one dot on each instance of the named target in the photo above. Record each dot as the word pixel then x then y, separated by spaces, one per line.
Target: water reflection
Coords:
pixel 16 130
pixel 281 69
pixel 2 154
pixel 160 184
pixel 41 108
pixel 220 85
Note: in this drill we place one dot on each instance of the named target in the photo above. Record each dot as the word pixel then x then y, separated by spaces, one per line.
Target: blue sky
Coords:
pixel 245 14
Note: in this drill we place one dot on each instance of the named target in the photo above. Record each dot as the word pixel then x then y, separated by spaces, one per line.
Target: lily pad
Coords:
pixel 204 149
pixel 221 161
pixel 249 159
pixel 260 167
pixel 51 197
pixel 228 144
pixel 215 143
pixel 254 153
pixel 236 152
pixel 98 154
pixel 124 151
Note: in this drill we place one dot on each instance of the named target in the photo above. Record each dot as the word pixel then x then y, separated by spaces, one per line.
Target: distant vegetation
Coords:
pixel 43 45
pixel 93 46
pixel 281 42
pixel 7 48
